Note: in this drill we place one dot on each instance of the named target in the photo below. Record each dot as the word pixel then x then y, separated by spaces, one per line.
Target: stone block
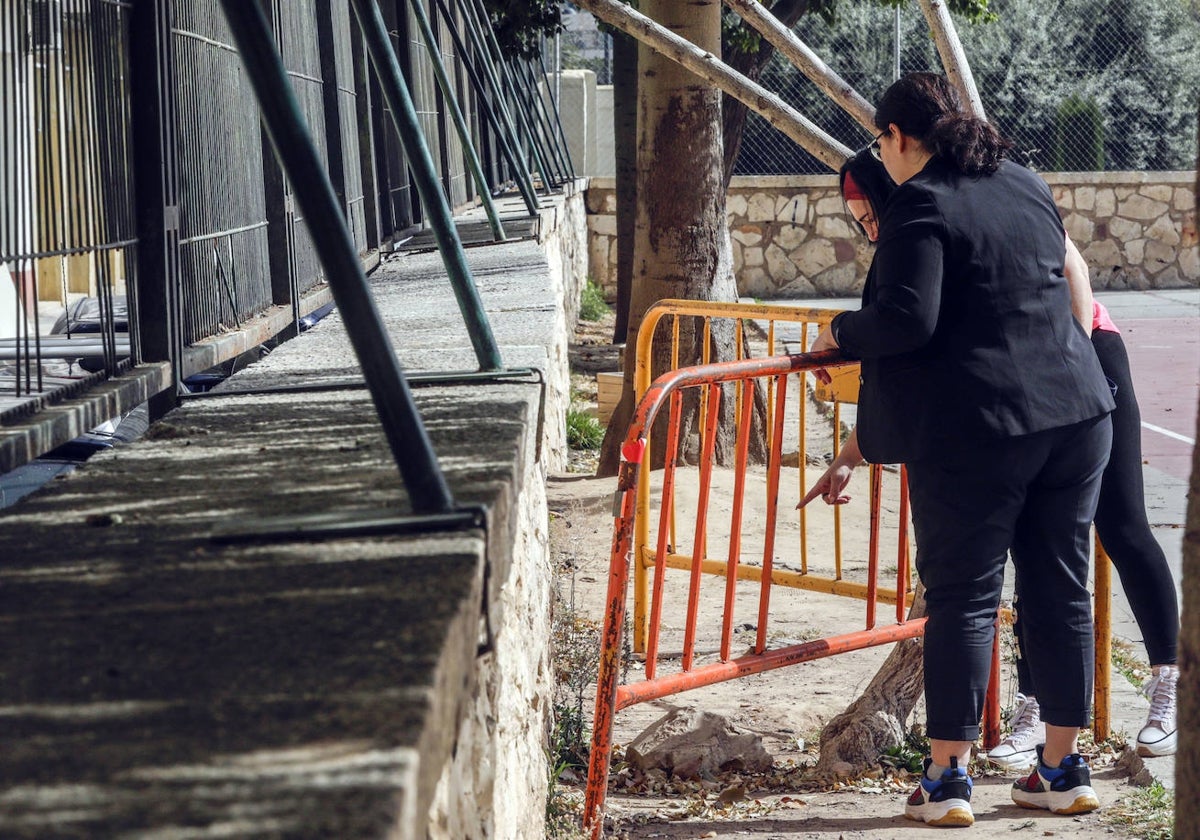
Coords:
pixel 752 256
pixel 1158 255
pixel 837 281
pixel 1124 192
pixel 1079 226
pixel 1085 198
pixel 1189 263
pixel 1164 231
pixel 1187 232
pixel 795 210
pixel 1063 197
pixel 755 282
pixel 1106 203
pixel 1122 229
pixel 1135 251
pixel 1157 192
pixel 735 205
pixel 689 744
pixel 1184 199
pixel 800 287
pixel 814 256
pixel 746 234
pixel 788 236
pixel 830 206
pixel 761 208
pixel 1141 208
pixel 834 227
pixel 780 265
pixel 1102 253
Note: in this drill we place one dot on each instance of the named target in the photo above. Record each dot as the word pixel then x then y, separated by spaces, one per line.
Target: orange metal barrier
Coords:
pixel 668 391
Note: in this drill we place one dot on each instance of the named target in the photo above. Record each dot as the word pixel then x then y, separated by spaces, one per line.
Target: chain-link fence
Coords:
pixel 1077 85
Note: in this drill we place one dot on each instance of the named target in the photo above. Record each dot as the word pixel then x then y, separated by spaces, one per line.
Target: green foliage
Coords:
pixel 1148 812
pixel 583 430
pixel 1079 136
pixel 1138 61
pixel 909 755
pixel 520 26
pixel 592 306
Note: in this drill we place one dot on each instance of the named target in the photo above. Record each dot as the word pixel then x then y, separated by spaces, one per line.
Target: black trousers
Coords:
pixel 1036 495
pixel 1123 527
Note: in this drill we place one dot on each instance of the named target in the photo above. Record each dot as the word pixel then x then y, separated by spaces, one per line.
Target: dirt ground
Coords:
pixel 787 707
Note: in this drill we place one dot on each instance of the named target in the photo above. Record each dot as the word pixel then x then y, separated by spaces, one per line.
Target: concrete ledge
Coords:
pixel 163 684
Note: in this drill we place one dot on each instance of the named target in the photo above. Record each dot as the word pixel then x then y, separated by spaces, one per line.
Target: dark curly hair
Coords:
pixel 926 106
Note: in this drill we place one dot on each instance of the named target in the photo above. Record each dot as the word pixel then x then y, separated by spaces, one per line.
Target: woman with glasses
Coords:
pixel 1120 518
pixel 976 375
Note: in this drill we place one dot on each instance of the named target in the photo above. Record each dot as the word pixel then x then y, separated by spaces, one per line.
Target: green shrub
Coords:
pixel 583 430
pixel 1078 136
pixel 591 303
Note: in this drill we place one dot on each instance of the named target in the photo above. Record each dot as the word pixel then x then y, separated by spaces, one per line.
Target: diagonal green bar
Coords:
pixel 285 124
pixel 539 101
pixel 496 114
pixel 456 116
pixel 395 92
pixel 479 28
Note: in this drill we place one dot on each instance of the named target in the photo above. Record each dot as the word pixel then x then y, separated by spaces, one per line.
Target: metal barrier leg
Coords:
pixel 1102 697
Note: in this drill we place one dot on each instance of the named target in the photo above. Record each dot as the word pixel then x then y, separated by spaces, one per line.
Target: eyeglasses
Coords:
pixel 876 151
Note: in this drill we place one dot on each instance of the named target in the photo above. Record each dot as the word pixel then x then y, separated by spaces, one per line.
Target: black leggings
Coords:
pixel 1122 525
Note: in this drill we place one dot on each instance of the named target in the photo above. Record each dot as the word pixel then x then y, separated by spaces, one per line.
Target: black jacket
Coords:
pixel 966 332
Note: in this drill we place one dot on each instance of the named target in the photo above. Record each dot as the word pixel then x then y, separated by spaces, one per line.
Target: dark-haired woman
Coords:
pixel 977 376
pixel 1120 515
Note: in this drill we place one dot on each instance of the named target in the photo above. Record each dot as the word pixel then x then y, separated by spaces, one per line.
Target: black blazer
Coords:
pixel 966 332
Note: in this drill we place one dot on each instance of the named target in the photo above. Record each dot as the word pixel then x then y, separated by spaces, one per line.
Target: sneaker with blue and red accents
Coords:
pixel 945 801
pixel 1065 789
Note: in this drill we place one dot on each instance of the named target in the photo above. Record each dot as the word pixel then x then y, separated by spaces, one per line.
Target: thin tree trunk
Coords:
pixel 625 73
pixel 790 46
pixel 751 65
pixel 954 60
pixel 1187 760
pixel 878 719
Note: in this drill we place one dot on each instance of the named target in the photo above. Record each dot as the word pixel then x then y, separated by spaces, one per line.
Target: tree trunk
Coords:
pixel 1187 761
pixel 681 239
pixel 878 719
pixel 625 74
pixel 954 60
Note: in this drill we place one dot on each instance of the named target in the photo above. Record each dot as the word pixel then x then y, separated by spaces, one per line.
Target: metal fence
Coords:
pixel 136 176
pixel 1077 85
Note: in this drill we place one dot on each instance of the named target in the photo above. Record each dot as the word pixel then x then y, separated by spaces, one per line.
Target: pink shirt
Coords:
pixel 1100 318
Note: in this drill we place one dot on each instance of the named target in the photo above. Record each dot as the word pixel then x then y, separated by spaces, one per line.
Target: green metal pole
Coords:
pixel 498 116
pixel 460 125
pixel 479 26
pixel 402 425
pixel 547 127
pixel 391 83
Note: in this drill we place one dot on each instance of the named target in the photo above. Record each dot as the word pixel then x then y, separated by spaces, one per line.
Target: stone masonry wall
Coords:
pixel 792 236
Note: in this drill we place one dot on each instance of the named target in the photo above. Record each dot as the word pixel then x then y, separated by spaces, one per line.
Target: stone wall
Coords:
pixel 792 236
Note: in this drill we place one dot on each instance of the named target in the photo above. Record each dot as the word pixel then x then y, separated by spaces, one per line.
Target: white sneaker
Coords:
pixel 1019 750
pixel 1158 735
